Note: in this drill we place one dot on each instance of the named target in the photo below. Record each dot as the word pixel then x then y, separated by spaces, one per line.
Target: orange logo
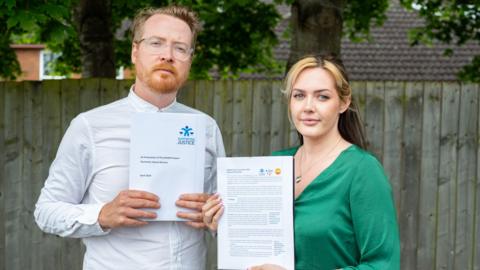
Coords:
pixel 278 171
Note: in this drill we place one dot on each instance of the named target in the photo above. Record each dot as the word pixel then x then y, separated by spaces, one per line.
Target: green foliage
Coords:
pixel 359 15
pixel 30 21
pixel 238 36
pixel 453 22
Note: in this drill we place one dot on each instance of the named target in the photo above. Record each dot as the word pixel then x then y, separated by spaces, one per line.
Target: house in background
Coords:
pixel 35 59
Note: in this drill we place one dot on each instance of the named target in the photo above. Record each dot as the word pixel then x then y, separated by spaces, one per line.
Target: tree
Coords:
pixel 452 21
pixel 318 25
pixel 237 35
pixel 93 24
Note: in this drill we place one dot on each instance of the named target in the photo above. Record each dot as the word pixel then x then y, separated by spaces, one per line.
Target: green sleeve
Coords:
pixel 374 217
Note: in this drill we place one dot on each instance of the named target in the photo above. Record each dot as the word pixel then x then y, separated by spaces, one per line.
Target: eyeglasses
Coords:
pixel 155 45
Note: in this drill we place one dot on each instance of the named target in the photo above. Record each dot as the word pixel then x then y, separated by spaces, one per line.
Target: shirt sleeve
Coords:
pixel 59 209
pixel 374 218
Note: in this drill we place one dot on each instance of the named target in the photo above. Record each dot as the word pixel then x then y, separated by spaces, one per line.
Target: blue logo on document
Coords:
pixel 186 134
pixel 265 172
pixel 186 131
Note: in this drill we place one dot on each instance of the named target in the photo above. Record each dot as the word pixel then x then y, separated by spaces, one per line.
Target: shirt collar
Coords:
pixel 142 105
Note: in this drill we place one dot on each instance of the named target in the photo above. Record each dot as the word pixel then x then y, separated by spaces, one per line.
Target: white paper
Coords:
pixel 167 157
pixel 257 224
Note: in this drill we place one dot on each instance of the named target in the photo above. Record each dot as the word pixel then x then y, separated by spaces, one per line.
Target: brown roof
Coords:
pixel 389 56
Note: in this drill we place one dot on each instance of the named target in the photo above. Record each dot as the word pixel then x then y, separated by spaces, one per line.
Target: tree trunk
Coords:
pixel 316 28
pixel 93 20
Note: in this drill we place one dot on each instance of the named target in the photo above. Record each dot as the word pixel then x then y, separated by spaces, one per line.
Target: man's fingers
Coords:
pixel 196 197
pixel 142 203
pixel 139 194
pixel 190 204
pixel 137 213
pixel 130 222
pixel 191 216
pixel 197 225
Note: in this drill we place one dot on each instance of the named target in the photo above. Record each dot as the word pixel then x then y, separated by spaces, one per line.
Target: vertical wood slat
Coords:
pixel 262 100
pixel 28 191
pixel 279 116
pixel 90 96
pixel 466 174
pixel 186 95
pixel 109 91
pixel 392 152
pixel 411 160
pixel 12 174
pixel 426 243
pixel 476 220
pixel 374 107
pixel 223 112
pixel 2 176
pixel 37 175
pixel 124 87
pixel 447 182
pixel 242 115
pixel 359 90
pixel 204 93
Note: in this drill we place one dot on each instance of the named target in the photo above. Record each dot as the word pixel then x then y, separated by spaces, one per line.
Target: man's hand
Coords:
pixel 193 201
pixel 123 212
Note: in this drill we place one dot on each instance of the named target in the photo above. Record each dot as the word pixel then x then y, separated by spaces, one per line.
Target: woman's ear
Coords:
pixel 345 104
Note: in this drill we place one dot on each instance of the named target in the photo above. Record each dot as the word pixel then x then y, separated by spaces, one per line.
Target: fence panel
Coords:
pixel 394 111
pixel 2 175
pixel 427 217
pixel 425 133
pixel 466 173
pixel 409 193
pixel 447 181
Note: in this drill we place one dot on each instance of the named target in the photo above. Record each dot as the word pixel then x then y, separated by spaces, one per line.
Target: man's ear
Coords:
pixel 134 53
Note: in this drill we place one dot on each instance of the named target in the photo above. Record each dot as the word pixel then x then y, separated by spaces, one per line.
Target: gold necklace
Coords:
pixel 298 179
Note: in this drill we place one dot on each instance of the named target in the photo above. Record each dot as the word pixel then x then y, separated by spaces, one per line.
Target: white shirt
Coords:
pixel 91 168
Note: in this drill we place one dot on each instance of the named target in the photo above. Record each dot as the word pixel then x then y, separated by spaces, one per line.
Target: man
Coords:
pixel 86 193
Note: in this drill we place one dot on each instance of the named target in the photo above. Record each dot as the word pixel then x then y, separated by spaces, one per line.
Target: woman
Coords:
pixel 344 211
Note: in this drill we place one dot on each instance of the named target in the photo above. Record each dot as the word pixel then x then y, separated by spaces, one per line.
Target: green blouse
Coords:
pixel 345 218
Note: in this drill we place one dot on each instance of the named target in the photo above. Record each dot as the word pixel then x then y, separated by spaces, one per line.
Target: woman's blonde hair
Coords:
pixel 350 125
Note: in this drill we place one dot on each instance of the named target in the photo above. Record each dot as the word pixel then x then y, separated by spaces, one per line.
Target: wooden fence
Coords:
pixel 426 135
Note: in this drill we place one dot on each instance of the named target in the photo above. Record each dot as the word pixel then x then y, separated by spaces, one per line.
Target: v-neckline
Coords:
pixel 324 172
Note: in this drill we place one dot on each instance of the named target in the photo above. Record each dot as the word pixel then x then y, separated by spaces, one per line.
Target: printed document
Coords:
pixel 167 157
pixel 257 224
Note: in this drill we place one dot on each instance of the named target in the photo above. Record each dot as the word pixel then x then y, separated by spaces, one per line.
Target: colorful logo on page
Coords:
pixel 186 134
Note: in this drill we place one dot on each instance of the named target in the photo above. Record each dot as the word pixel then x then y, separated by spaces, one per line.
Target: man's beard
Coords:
pixel 163 82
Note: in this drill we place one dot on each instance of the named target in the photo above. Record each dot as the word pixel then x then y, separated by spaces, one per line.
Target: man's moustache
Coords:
pixel 166 67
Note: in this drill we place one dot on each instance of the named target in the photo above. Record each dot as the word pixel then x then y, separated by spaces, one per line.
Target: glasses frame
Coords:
pixel 188 55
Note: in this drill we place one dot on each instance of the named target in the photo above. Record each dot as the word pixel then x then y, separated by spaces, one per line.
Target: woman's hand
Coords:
pixel 212 210
pixel 266 267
